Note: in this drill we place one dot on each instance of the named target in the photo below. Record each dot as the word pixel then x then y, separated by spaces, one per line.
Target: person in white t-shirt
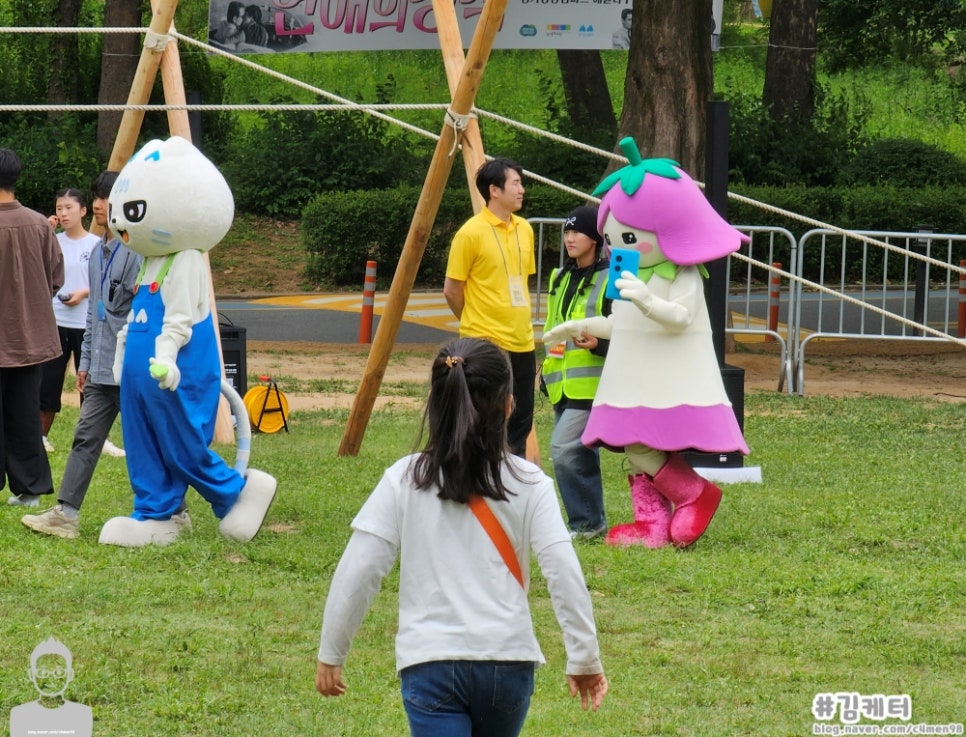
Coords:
pixel 465 646
pixel 70 303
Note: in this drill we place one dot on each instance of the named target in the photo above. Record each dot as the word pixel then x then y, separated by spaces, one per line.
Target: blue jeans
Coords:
pixel 577 470
pixel 467 698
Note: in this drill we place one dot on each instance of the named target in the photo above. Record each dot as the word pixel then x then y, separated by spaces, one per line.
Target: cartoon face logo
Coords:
pixel 170 198
pixel 50 668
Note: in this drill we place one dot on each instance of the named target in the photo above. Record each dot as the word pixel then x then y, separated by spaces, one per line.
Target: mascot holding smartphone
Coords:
pixel 661 390
pixel 171 205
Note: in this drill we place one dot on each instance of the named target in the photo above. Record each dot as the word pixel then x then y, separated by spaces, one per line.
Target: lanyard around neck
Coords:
pixel 506 267
pixel 106 268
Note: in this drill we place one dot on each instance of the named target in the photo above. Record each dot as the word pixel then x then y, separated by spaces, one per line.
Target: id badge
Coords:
pixel 101 312
pixel 557 351
pixel 518 292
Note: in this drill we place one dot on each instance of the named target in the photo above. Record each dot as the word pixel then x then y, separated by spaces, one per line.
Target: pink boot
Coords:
pixel 695 499
pixel 652 517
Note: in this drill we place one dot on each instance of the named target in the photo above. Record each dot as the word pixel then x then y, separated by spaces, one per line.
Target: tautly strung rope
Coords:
pixel 846 298
pixel 375 110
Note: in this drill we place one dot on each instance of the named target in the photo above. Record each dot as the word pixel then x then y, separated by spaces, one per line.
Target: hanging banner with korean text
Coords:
pixel 268 26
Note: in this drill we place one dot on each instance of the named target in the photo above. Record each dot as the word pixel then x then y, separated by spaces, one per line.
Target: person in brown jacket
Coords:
pixel 31 273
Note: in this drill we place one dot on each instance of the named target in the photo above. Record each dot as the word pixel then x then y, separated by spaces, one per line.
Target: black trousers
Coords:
pixel 523 366
pixel 23 460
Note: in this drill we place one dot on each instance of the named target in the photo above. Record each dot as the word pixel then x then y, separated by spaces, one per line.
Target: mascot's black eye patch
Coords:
pixel 135 210
pixel 629 238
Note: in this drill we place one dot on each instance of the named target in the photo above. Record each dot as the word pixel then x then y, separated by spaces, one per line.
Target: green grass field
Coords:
pixel 842 572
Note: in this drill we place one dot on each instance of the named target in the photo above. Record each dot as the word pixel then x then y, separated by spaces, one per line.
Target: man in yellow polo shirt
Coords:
pixel 490 263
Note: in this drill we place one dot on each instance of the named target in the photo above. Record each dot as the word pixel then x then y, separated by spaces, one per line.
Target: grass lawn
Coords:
pixel 842 572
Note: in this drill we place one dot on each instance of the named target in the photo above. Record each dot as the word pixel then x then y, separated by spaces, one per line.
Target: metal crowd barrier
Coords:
pixel 865 291
pixel 842 287
pixel 755 306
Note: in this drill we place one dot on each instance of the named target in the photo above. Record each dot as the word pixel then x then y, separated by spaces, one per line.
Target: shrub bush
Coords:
pixel 55 154
pixel 763 151
pixel 904 163
pixel 343 230
pixel 885 208
pixel 277 167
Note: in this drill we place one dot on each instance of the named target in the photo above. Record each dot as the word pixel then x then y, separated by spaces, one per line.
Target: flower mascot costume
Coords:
pixel 661 390
pixel 171 205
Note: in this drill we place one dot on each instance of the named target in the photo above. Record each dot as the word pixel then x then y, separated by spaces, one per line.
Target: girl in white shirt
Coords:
pixel 465 648
pixel 70 303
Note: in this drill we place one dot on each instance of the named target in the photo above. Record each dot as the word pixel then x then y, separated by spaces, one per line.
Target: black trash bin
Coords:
pixel 233 353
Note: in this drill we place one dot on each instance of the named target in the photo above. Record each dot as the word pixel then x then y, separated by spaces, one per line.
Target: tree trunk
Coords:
pixel 63 82
pixel 585 90
pixel 669 81
pixel 119 61
pixel 789 91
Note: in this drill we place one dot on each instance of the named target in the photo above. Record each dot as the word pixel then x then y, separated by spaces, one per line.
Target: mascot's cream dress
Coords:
pixel 171 205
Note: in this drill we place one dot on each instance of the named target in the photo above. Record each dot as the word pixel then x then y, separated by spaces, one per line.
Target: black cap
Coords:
pixel 583 219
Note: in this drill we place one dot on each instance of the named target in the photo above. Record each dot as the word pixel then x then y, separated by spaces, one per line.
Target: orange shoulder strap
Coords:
pixel 497 534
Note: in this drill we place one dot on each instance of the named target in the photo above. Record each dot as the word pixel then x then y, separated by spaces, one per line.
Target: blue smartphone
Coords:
pixel 621 260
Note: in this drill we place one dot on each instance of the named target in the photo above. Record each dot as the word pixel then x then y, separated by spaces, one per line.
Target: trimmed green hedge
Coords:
pixel 342 230
pixel 889 208
pixel 870 208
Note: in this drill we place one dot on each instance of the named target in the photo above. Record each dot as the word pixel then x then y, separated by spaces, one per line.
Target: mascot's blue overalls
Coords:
pixel 171 205
pixel 171 452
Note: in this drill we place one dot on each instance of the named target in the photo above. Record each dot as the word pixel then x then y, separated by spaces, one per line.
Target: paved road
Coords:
pixel 336 318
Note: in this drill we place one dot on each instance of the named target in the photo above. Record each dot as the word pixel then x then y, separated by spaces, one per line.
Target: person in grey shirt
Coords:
pixel 113 276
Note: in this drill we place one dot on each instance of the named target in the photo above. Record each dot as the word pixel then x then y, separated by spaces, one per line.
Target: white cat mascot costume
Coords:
pixel 171 205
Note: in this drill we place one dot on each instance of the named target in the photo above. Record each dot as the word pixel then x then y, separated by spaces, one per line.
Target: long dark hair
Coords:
pixel 465 421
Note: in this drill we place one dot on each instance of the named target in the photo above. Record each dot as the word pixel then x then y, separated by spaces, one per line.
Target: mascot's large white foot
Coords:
pixel 128 532
pixel 245 518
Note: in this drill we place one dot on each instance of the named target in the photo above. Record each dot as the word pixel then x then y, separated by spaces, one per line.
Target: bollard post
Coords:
pixel 368 302
pixel 774 293
pixel 962 301
pixel 921 246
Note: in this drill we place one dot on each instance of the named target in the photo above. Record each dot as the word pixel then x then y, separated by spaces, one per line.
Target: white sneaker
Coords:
pixel 112 450
pixel 47 445
pixel 53 522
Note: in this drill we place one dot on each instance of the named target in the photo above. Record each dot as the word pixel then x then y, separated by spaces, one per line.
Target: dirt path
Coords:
pixel 839 368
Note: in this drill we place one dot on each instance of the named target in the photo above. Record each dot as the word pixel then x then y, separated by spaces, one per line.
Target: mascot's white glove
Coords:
pixel 633 289
pixel 119 354
pixel 167 374
pixel 599 327
pixel 164 365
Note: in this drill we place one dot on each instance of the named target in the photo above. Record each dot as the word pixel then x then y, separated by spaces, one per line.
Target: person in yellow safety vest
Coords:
pixel 571 371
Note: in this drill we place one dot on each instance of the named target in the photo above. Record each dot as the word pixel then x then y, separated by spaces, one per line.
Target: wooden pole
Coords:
pixel 172 82
pixel 155 43
pixel 474 156
pixel 451 45
pixel 422 223
pixel 160 51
